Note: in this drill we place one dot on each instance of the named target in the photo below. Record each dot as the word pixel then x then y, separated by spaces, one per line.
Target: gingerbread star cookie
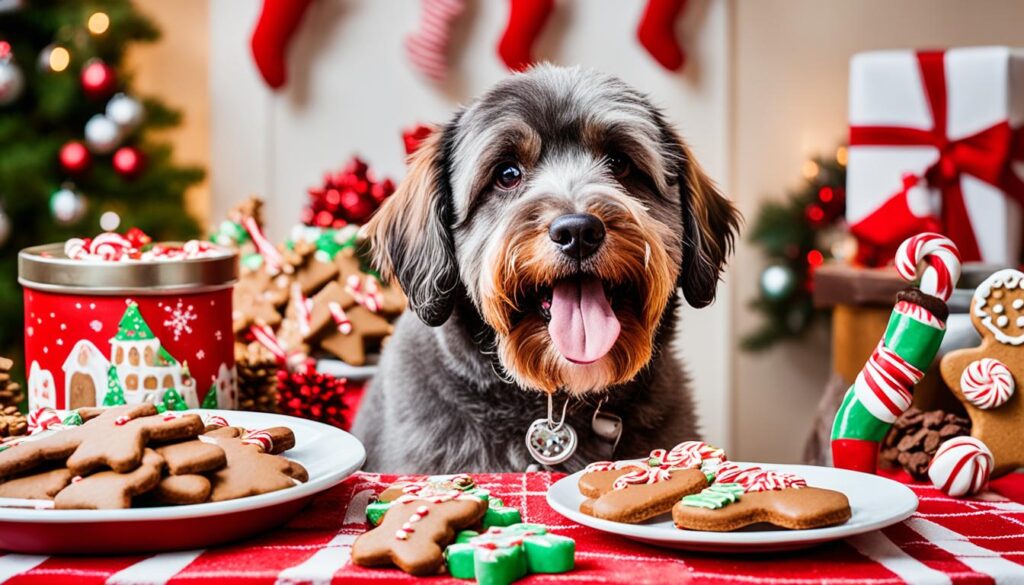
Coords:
pixel 984 378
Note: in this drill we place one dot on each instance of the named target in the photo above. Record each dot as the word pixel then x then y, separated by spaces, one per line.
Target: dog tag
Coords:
pixel 550 446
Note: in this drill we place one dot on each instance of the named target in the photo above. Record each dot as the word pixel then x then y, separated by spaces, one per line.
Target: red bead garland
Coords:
pixel 307 393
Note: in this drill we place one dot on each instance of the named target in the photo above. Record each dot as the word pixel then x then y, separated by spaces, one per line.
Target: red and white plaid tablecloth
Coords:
pixel 947 541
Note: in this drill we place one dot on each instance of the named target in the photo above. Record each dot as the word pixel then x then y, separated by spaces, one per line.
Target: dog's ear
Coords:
pixel 709 226
pixel 410 235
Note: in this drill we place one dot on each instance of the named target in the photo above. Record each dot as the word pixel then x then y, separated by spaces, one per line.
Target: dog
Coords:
pixel 542 237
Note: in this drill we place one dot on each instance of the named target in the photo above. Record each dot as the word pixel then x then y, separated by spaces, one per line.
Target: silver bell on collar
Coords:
pixel 548 442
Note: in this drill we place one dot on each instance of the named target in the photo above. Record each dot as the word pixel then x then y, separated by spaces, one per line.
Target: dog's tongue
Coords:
pixel 583 325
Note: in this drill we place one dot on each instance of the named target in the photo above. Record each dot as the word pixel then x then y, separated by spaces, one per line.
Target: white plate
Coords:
pixel 875 502
pixel 328 454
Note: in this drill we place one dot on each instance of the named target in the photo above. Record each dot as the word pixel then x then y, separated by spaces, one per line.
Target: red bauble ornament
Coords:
pixel 350 196
pixel 99 80
pixel 74 157
pixel 413 137
pixel 306 393
pixel 128 161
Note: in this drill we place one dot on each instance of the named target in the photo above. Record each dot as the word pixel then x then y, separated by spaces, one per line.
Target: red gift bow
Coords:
pixel 985 155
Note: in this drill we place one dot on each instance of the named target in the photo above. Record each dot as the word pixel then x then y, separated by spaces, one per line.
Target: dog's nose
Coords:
pixel 578 235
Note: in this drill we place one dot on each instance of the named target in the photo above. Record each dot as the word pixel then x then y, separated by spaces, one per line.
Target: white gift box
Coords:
pixel 953 171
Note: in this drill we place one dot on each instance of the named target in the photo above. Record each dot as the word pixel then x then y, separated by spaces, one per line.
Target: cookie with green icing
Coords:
pixel 497 513
pixel 502 555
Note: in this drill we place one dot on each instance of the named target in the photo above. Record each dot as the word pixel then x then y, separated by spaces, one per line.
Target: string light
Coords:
pixel 59 59
pixel 809 169
pixel 99 22
pixel 841 154
pixel 815 258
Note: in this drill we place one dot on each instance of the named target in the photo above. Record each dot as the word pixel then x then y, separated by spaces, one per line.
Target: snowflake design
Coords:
pixel 180 319
pixel 200 355
pixel 96 325
pixel 218 334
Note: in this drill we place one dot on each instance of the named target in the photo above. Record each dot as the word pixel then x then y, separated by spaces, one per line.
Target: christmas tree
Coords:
pixel 77 140
pixel 173 400
pixel 211 397
pixel 115 393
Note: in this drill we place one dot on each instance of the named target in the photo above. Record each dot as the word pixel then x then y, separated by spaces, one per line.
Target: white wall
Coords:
pixel 351 91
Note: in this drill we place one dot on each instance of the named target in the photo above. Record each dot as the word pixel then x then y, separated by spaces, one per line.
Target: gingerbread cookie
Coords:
pixel 251 306
pixel 504 555
pixel 497 514
pixel 984 378
pixel 183 489
pixel 634 491
pixel 110 438
pixel 744 496
pixel 109 489
pixel 193 456
pixel 42 485
pixel 253 468
pixel 368 329
pixel 416 528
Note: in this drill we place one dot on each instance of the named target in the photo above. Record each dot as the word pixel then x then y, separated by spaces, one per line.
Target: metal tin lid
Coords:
pixel 47 268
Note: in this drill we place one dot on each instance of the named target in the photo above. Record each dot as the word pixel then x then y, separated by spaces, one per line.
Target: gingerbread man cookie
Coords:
pixel 984 378
pixel 415 530
pixel 108 490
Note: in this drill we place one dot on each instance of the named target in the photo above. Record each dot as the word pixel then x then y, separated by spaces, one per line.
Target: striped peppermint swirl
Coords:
pixel 76 249
pixel 987 383
pixel 261 439
pixel 42 419
pixel 643 474
pixel 110 246
pixel 961 466
pixel 885 383
pixel 941 259
pixel 690 455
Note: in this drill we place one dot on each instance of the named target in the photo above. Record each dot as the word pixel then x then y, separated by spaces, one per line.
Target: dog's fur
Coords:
pixel 466 370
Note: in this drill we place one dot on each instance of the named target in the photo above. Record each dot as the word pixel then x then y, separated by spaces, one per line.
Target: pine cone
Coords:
pixel 12 422
pixel 257 377
pixel 916 435
pixel 10 392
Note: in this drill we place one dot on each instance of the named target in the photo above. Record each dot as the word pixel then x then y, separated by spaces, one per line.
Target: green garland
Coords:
pixel 796 235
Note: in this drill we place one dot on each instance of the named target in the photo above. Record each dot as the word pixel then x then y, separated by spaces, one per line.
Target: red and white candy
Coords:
pixel 755 479
pixel 987 383
pixel 961 466
pixel 42 419
pixel 941 259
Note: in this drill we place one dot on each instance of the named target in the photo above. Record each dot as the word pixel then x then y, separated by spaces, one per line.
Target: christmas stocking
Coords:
pixel 657 32
pixel 274 30
pixel 525 21
pixel 427 48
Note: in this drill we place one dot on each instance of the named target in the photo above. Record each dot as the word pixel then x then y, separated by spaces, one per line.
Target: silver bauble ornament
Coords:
pixel 12 81
pixel 67 205
pixel 102 135
pixel 777 281
pixel 125 111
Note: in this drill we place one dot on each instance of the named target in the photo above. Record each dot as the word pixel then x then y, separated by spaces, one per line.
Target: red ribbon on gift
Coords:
pixel 984 155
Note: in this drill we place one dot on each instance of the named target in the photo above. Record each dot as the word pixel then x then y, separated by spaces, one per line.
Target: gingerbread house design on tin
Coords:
pixel 41 389
pixel 144 368
pixel 85 375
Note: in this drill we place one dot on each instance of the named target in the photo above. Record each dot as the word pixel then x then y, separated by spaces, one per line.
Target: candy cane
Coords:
pixel 271 256
pixel 755 479
pixel 883 389
pixel 691 454
pixel 373 300
pixel 302 312
pixel 643 474
pixel 110 246
pixel 941 259
pixel 340 318
pixel 76 248
pixel 41 419
pixel 215 420
pixel 268 339
pixel 261 439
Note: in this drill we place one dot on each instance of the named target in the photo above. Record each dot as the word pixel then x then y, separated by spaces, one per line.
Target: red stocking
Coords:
pixel 274 30
pixel 525 21
pixel 657 32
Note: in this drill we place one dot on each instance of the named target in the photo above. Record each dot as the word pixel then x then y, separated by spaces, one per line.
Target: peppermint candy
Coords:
pixel 261 439
pixel 961 466
pixel 987 383
pixel 941 259
pixel 111 247
pixel 76 249
pixel 755 479
pixel 691 454
pixel 268 339
pixel 885 385
pixel 341 320
pixel 643 474
pixel 42 419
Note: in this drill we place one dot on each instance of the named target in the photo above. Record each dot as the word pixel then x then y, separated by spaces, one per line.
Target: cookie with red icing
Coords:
pixel 741 497
pixel 634 491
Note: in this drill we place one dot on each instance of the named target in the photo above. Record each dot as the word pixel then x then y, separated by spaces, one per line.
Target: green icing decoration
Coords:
pixel 229 233
pixel 210 401
pixel 501 556
pixel 73 419
pixel 375 511
pixel 714 497
pixel 173 400
pixel 498 514
pixel 252 261
pixel 115 393
pixel 132 326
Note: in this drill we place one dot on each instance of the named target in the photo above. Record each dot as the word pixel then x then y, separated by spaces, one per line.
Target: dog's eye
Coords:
pixel 619 165
pixel 507 176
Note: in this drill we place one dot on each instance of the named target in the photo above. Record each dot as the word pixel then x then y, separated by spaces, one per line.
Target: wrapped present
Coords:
pixel 936 145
